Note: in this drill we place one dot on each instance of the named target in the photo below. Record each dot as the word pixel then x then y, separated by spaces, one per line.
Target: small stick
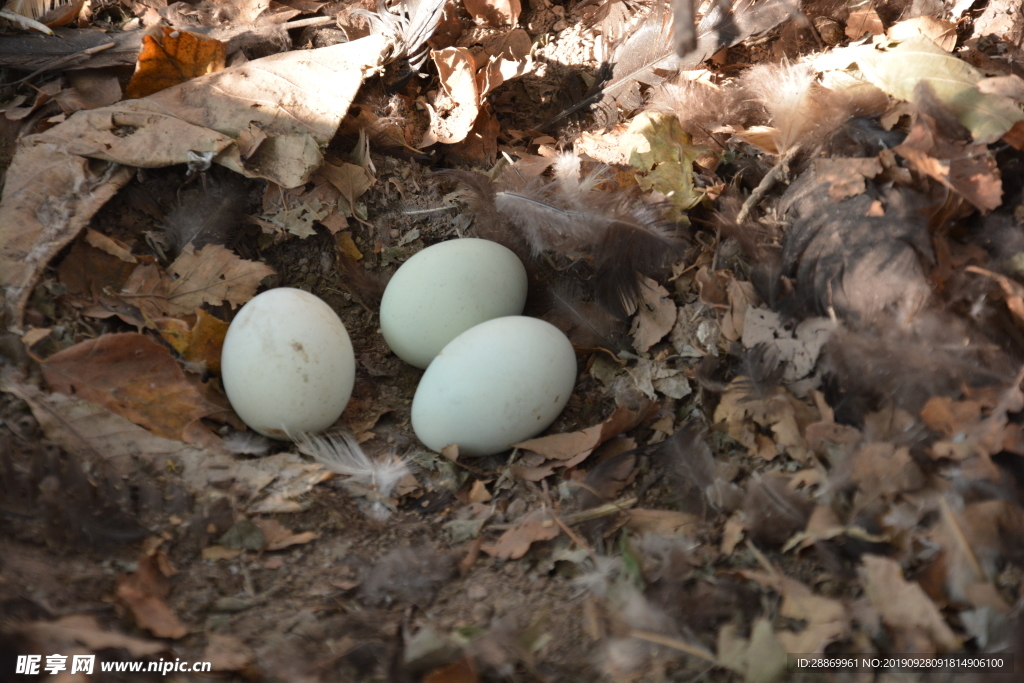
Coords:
pixel 675 644
pixel 66 58
pixel 766 184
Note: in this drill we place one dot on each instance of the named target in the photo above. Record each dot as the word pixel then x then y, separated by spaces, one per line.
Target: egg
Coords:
pixel 498 383
pixel 287 363
pixel 444 290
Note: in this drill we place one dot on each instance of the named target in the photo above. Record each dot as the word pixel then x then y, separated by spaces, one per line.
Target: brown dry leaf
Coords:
pixel 759 659
pixel 881 470
pixel 903 606
pixel 827 620
pixel 655 316
pixel 214 275
pixel 455 110
pixel 968 170
pixel 1013 292
pixel 66 633
pixel 733 532
pixel 572 448
pixel 515 542
pixel 479 493
pixel 227 653
pixel 82 427
pixel 948 417
pixel 863 21
pixel 206 338
pixel 347 246
pixel 742 297
pixel 350 180
pixel 278 536
pixel 87 271
pixel 48 196
pixel 170 56
pixel 131 375
pixel 846 177
pixel 143 592
pixel 939 31
pixel 214 553
pixel 743 412
pixel 494 12
pixel 457 672
pixel 667 523
pixel 109 245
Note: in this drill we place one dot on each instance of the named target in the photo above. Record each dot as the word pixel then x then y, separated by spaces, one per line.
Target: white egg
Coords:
pixel 446 289
pixel 287 363
pixel 494 385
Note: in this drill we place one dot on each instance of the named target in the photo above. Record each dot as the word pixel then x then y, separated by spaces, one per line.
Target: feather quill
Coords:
pixel 409 28
pixel 649 55
pixel 570 213
pixel 374 479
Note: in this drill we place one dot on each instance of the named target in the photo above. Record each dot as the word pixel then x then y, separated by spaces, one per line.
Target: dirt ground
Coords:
pixel 709 555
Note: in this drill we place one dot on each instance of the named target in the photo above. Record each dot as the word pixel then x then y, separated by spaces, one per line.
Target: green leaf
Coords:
pixel 661 151
pixel 899 68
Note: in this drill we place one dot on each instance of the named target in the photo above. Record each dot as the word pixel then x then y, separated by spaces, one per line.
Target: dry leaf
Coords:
pixel 863 21
pixel 969 170
pixel 278 536
pixel 759 659
pixel 143 592
pixel 655 316
pixel 132 376
pixel 227 653
pixel 494 12
pixel 572 448
pixel 171 56
pixel 903 605
pixel 667 523
pixel 66 633
pixel 846 177
pixel 515 542
pixel 456 108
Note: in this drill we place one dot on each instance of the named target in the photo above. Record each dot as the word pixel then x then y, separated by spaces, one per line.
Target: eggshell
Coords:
pixel 287 363
pixel 446 289
pixel 494 385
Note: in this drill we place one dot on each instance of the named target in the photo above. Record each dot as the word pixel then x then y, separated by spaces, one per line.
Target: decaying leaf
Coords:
pixel 662 152
pixel 655 316
pixel 132 376
pixel 572 448
pixel 514 543
pixel 905 608
pixel 171 56
pixel 143 592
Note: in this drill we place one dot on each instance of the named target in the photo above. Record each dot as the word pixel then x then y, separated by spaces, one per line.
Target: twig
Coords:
pixel 675 644
pixel 766 184
pixel 62 60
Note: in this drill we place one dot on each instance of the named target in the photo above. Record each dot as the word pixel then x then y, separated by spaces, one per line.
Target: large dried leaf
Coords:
pixel 515 542
pixel 572 448
pixel 901 68
pixel 67 633
pixel 213 276
pixel 83 427
pixel 655 316
pixel 52 189
pixel 131 375
pixel 903 605
pixel 143 592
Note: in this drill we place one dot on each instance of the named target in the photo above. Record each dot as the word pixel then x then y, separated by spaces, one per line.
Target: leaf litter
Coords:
pixel 792 284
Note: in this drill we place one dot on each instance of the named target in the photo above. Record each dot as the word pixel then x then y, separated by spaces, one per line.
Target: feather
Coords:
pixel 209 212
pixel 773 512
pixel 247 443
pixel 366 285
pixel 375 479
pixel 646 55
pixel 702 108
pixel 571 213
pixel 586 324
pixel 800 109
pixel 408 575
pixel 409 28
